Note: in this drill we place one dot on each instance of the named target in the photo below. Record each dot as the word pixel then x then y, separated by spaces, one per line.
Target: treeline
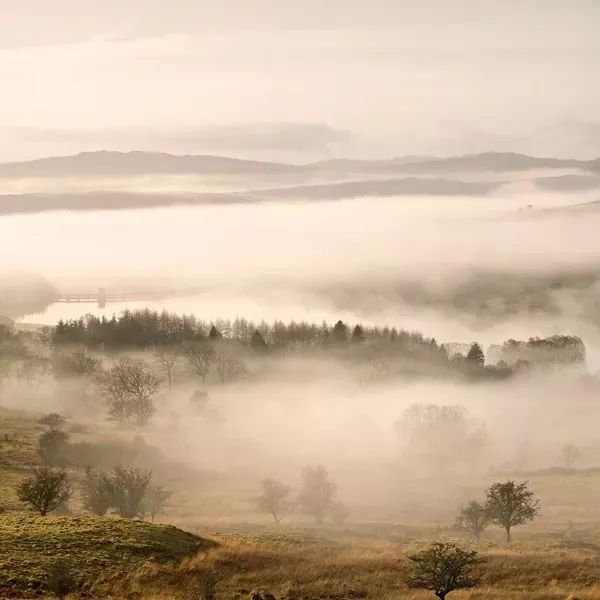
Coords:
pixel 144 328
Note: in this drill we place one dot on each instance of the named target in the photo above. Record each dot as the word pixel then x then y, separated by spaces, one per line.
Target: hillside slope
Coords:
pixel 94 550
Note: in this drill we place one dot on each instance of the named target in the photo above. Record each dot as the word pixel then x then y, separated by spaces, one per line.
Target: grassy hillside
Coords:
pixel 18 454
pixel 96 549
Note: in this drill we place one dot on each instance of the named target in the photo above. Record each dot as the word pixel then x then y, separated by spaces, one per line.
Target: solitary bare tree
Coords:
pixel 168 358
pixel 130 385
pixel 473 518
pixel 443 568
pixel 46 491
pixel 273 498
pixel 510 504
pixel 200 358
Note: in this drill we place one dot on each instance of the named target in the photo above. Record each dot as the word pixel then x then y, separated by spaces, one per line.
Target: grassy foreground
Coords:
pixel 96 550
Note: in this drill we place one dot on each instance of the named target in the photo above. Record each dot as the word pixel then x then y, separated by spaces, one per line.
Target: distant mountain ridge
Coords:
pixel 112 163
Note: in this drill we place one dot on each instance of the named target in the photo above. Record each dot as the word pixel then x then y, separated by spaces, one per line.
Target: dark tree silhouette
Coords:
pixel 476 355
pixel 340 333
pixel 214 333
pixel 473 518
pixel 257 342
pixel 358 335
pixel 510 504
pixel 442 568
pixel 46 491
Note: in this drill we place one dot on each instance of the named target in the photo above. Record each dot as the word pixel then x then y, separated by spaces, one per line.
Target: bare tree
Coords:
pixel 46 491
pixel 168 358
pixel 473 518
pixel 273 498
pixel 443 568
pixel 317 493
pixel 129 386
pixel 53 421
pixel 229 367
pixel 200 358
pixel 510 504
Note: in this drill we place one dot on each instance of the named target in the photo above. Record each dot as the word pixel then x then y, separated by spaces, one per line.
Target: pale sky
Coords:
pixel 300 80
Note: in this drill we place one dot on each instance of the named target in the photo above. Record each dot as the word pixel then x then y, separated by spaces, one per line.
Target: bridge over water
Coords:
pixel 101 297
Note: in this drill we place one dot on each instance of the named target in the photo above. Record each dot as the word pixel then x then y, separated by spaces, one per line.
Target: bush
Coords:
pixel 442 568
pixel 46 491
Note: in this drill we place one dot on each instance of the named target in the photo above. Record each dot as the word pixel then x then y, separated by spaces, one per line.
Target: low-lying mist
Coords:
pixel 513 264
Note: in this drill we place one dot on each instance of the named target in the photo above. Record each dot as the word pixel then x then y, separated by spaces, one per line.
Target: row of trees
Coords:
pixel 317 498
pixel 128 492
pixel 144 328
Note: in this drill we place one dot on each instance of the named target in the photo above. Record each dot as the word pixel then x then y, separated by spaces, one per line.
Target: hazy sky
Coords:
pixel 298 80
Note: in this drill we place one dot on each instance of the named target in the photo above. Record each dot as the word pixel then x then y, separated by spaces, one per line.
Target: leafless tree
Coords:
pixel 130 385
pixel 229 367
pixel 168 358
pixel 200 358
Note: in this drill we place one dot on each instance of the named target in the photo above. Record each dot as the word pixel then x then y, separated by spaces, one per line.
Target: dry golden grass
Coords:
pixel 296 566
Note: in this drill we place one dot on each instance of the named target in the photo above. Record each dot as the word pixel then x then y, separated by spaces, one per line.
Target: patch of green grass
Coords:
pixel 18 453
pixel 99 549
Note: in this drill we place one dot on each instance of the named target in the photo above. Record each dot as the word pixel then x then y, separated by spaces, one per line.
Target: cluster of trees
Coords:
pixel 129 385
pixel 506 504
pixel 128 492
pixel 557 349
pixel 317 498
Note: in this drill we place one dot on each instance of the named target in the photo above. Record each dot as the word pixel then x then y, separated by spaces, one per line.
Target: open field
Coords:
pixel 556 557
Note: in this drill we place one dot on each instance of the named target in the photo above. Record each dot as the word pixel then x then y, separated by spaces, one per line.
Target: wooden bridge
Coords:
pixel 102 296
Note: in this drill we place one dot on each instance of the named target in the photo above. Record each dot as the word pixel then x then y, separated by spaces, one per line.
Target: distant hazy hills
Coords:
pixel 110 164
pixel 265 181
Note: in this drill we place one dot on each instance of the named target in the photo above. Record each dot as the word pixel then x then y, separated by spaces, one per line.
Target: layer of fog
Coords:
pixel 306 411
pixel 327 260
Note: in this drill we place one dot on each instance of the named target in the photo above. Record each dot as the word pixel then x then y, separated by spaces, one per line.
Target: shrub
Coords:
pixel 46 491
